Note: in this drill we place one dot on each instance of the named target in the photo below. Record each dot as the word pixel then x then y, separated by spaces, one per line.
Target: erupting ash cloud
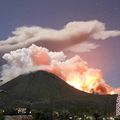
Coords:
pixel 74 71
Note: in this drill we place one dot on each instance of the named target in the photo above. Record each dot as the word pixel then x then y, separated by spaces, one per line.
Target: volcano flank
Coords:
pixel 45 90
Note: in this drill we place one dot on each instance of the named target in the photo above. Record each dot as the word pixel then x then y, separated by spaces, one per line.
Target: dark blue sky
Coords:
pixel 56 13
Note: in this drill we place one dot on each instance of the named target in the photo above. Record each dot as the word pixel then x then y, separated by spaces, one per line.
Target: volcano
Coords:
pixel 42 89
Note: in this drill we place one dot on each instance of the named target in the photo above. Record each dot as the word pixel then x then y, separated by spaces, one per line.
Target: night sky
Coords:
pixel 56 13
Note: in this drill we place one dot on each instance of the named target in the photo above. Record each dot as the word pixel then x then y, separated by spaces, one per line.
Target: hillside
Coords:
pixel 45 90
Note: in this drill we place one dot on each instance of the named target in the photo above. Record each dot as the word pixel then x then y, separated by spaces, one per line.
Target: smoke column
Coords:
pixel 74 71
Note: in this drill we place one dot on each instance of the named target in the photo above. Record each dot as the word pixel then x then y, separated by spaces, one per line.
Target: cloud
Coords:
pixel 71 34
pixel 28 59
pixel 83 47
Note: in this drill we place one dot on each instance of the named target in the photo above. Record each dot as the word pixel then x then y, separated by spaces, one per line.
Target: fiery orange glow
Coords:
pixel 88 82
pixel 75 81
pixel 40 58
pixel 75 72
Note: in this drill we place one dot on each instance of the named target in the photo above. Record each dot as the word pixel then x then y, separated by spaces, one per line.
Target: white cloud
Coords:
pixel 71 34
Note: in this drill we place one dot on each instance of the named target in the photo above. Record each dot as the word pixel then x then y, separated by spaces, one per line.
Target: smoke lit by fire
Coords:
pixel 74 71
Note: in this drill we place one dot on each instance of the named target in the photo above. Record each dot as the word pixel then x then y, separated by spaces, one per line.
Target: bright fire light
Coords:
pixel 75 72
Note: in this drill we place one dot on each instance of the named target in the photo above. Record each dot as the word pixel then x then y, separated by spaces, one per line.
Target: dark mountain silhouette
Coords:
pixel 45 90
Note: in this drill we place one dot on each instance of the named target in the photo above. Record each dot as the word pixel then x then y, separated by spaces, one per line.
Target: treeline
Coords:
pixel 59 114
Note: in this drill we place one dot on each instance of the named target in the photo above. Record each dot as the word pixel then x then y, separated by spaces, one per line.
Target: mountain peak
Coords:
pixel 42 88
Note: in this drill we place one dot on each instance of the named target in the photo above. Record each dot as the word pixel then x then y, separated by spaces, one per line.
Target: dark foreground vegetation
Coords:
pixel 48 114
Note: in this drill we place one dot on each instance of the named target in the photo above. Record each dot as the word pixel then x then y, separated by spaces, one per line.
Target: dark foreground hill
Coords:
pixel 45 90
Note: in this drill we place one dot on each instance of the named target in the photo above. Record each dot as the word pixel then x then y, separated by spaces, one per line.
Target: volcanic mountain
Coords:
pixel 45 90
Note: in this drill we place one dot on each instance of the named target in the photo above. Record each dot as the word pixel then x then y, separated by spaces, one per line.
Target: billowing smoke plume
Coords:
pixel 74 71
pixel 72 34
